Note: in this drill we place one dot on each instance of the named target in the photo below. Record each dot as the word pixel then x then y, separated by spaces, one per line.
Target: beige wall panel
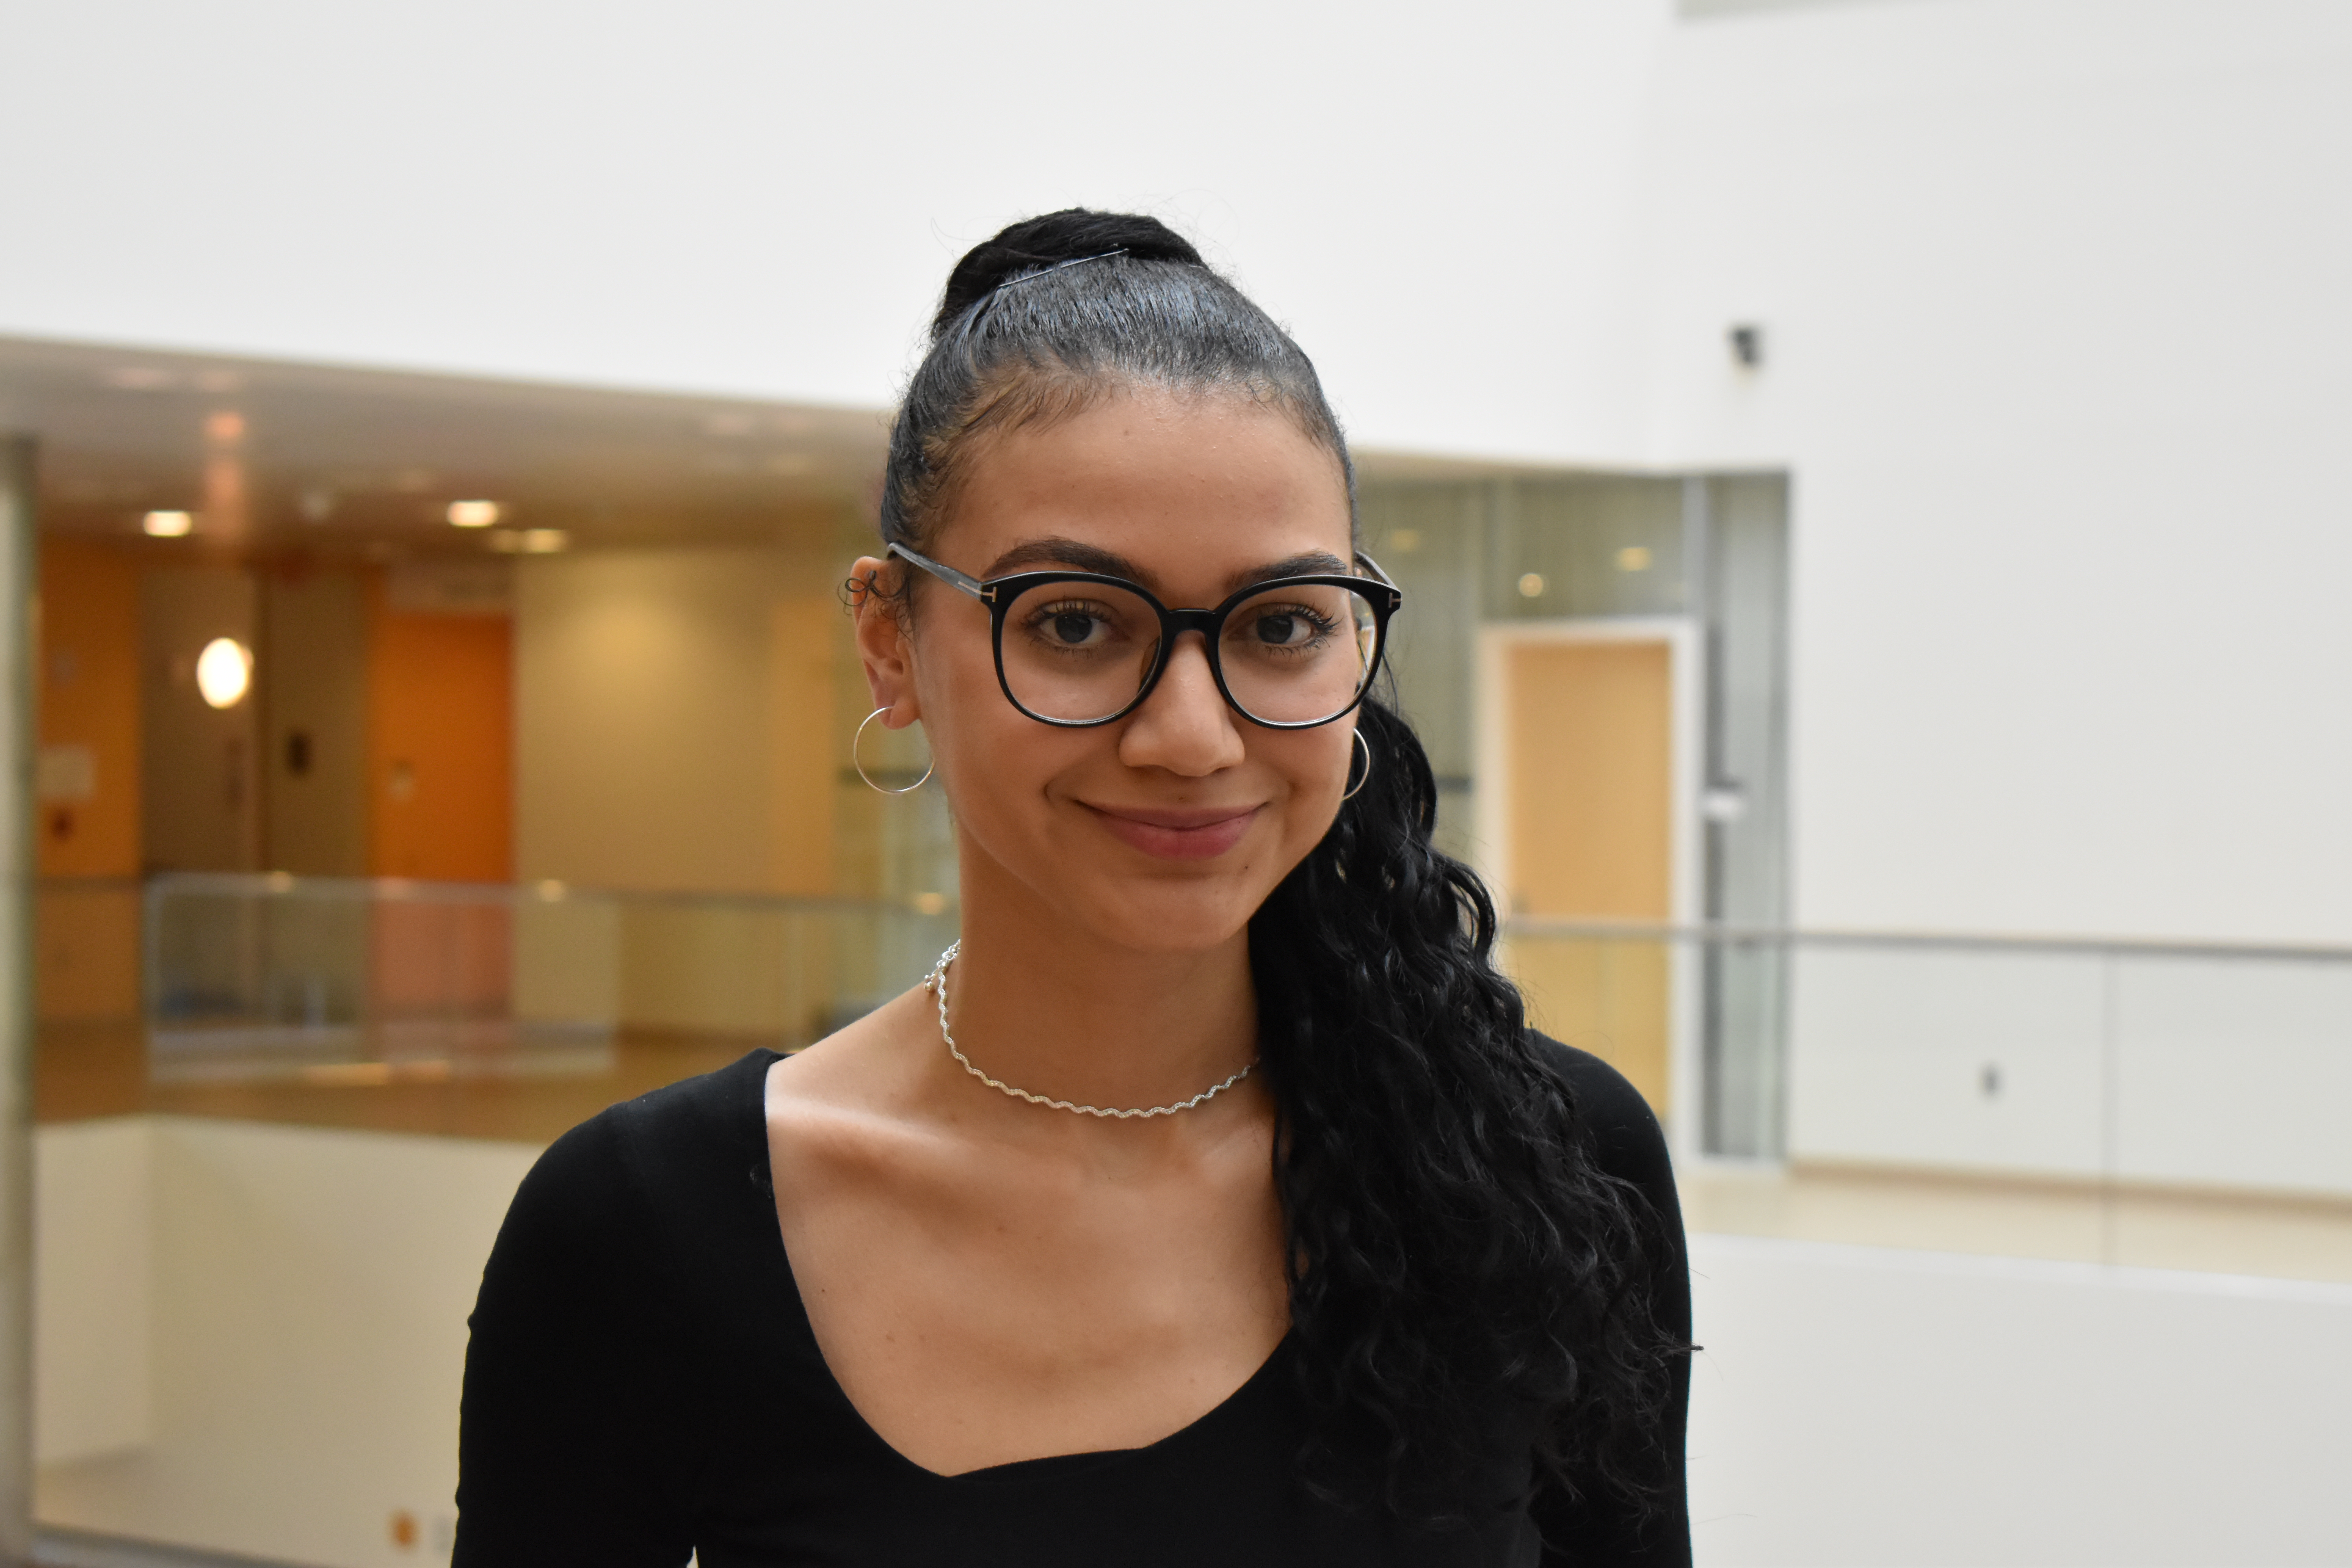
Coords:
pixel 313 660
pixel 804 758
pixel 567 962
pixel 198 803
pixel 642 711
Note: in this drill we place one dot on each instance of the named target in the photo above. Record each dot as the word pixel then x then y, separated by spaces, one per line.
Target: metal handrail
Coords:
pixel 1813 936
pixel 408 890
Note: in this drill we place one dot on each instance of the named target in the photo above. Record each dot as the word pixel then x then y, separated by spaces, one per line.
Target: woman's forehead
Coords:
pixel 1178 488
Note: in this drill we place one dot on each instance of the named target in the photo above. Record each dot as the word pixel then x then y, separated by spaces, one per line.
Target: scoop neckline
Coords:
pixel 1037 1467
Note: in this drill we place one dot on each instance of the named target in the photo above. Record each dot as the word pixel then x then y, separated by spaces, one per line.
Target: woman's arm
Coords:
pixel 1630 1145
pixel 566 1448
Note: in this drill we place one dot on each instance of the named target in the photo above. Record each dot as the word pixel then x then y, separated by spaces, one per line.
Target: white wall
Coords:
pixel 1878 1407
pixel 1852 1405
pixel 93 1288
pixel 2052 291
pixel 305 1295
pixel 2057 330
pixel 733 195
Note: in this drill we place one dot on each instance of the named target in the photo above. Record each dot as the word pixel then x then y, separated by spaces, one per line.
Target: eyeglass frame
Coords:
pixel 999 594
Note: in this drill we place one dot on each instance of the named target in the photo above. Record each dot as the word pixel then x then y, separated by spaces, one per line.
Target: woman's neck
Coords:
pixel 1047 1004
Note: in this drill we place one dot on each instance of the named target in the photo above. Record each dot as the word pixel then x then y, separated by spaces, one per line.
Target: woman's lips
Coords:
pixel 1196 835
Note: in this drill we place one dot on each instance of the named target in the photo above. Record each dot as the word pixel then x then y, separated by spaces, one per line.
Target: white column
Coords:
pixel 19 586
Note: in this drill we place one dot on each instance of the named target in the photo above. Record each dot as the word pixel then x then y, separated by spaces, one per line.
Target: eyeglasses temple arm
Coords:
pixel 1379 576
pixel 947 575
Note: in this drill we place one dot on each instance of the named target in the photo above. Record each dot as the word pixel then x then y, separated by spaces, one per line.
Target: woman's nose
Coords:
pixel 1185 725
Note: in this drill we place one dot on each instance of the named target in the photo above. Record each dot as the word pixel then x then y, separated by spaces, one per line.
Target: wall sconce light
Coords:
pixel 166 524
pixel 1747 345
pixel 473 513
pixel 224 672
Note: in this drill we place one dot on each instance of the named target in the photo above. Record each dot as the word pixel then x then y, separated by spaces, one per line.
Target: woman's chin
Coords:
pixel 1158 918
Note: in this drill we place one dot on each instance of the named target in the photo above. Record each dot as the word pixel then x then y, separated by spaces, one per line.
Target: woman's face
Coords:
pixel 1166 829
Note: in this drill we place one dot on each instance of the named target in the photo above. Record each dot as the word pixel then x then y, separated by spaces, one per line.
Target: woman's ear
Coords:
pixel 875 597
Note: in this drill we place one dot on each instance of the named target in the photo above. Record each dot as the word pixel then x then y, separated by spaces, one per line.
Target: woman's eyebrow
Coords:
pixel 1083 557
pixel 1313 563
pixel 1070 553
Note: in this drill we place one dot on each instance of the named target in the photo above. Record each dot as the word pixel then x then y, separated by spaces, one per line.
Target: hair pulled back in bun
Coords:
pixel 1058 312
pixel 1033 245
pixel 1460 1268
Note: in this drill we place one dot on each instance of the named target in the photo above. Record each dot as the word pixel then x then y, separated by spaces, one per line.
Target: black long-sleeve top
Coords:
pixel 643 1384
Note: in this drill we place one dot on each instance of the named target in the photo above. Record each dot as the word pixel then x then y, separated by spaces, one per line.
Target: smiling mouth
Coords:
pixel 1177 834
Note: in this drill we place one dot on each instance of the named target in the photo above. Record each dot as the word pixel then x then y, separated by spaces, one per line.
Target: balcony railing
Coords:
pixel 333 980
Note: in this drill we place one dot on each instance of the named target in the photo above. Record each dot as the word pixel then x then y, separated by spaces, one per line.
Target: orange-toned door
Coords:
pixel 1588 744
pixel 441 805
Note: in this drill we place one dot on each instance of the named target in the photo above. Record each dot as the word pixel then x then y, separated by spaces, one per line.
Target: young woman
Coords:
pixel 1211 1204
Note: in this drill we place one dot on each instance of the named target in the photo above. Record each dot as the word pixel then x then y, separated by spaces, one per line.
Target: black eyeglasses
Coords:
pixel 1078 649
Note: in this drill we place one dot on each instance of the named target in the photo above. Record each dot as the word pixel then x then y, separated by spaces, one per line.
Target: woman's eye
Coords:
pixel 1288 628
pixel 1071 625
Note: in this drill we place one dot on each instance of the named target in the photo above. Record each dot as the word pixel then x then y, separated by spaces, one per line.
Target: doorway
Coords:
pixel 1590 738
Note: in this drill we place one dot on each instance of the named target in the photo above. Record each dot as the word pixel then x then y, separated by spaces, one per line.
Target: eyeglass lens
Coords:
pixel 1291 655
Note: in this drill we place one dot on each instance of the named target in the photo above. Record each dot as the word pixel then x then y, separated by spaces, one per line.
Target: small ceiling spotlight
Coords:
pixel 1747 345
pixel 224 672
pixel 473 513
pixel 167 524
pixel 1531 585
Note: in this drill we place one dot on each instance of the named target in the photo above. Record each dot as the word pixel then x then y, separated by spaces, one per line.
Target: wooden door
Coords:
pixel 1589 756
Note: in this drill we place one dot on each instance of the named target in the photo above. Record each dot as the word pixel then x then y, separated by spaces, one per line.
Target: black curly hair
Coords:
pixel 1454 1248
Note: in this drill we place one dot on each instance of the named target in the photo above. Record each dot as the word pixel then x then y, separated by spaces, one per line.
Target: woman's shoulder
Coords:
pixel 632 1168
pixel 1627 1140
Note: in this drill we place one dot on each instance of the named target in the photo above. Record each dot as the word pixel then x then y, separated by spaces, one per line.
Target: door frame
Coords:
pixel 1686 841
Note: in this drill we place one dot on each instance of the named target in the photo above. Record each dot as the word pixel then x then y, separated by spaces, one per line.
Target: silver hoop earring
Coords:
pixel 858 762
pixel 1366 747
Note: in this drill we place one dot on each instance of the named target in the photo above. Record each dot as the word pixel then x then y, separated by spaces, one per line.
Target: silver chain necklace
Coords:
pixel 937 984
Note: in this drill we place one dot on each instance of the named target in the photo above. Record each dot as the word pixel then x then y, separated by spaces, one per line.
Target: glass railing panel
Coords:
pixel 2171 1106
pixel 1952 1059
pixel 427 1007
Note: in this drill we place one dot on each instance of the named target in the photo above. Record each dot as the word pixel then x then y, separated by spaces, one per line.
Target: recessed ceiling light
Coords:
pixel 473 513
pixel 224 671
pixel 1531 587
pixel 166 524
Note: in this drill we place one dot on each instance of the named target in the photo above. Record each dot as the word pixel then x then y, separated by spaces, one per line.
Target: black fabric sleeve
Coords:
pixel 1629 1144
pixel 568 1446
